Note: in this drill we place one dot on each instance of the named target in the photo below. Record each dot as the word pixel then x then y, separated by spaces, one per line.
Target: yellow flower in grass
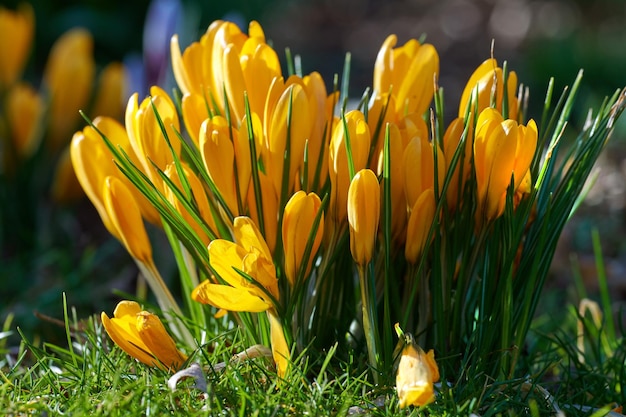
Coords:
pixel 417 372
pixel 409 71
pixel 250 255
pixel 363 215
pixel 502 149
pixel 482 81
pixel 300 212
pixel 16 35
pixel 142 335
pixel 68 79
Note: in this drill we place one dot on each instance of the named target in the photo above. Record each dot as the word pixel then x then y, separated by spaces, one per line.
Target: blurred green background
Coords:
pixel 66 248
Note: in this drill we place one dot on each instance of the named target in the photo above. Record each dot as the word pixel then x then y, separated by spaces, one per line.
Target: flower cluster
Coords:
pixel 269 183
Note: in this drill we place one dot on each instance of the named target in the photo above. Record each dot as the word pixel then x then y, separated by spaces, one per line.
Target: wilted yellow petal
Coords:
pixel 122 330
pixel 417 372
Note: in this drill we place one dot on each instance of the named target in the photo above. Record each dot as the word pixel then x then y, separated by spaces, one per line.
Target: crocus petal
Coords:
pixel 363 214
pixel 126 217
pixel 159 342
pixel 280 349
pixel 229 298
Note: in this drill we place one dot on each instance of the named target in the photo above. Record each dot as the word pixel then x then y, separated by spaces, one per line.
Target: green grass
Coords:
pixel 92 376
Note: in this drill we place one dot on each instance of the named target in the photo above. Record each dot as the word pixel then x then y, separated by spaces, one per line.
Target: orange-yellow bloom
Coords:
pixel 502 149
pixel 463 168
pixel 125 217
pixel 16 35
pixel 249 254
pixel 417 372
pixel 24 113
pixel 483 80
pixel 409 71
pixel 288 122
pixel 198 199
pixel 109 99
pixel 142 335
pixel 419 168
pixel 93 162
pixel 145 134
pixel 300 212
pixel 68 78
pixel 421 217
pixel 338 171
pixel 227 60
pixel 363 215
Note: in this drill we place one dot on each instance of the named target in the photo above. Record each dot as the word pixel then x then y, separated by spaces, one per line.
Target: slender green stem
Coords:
pixel 369 328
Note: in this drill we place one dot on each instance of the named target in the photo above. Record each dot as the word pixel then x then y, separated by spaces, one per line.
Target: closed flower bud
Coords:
pixel 363 215
pixel 298 219
pixel 125 216
pixel 420 219
pixel 502 149
pixel 482 81
pixel 409 71
pixel 24 112
pixel 417 372
pixel 16 36
pixel 338 170
pixel 142 335
pixel 68 78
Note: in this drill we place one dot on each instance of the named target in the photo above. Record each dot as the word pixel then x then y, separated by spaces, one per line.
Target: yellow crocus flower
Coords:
pixel 145 134
pixel 142 335
pixel 417 372
pixel 68 79
pixel 200 200
pixel 227 60
pixel 251 255
pixel 419 168
pixel 409 72
pixel 93 162
pixel 421 217
pixel 482 80
pixel 65 186
pixel 17 29
pixel 126 218
pixel 281 126
pixel 24 113
pixel 300 212
pixel 502 149
pixel 338 171
pixel 451 140
pixel 363 215
pixel 109 98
